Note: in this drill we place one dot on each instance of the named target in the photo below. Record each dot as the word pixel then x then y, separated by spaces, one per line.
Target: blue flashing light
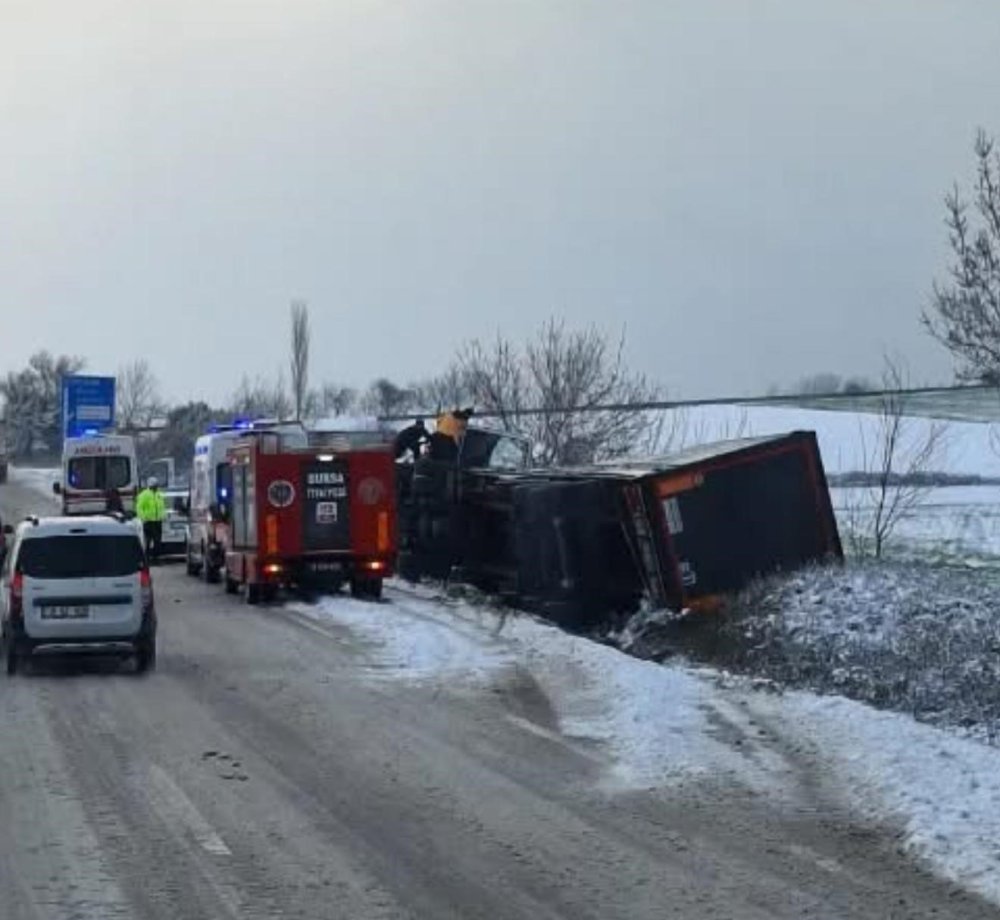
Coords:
pixel 90 432
pixel 223 492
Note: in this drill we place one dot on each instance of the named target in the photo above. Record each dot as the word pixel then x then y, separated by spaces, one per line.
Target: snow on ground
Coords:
pixel 841 435
pixel 945 790
pixel 951 523
pixel 38 481
pixel 663 724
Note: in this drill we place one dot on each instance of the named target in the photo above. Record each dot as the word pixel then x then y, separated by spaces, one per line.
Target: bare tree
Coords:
pixel 337 400
pixel 385 398
pixel 299 363
pixel 897 467
pixel 965 312
pixel 821 384
pixel 260 398
pixel 449 390
pixel 31 403
pixel 137 396
pixel 566 390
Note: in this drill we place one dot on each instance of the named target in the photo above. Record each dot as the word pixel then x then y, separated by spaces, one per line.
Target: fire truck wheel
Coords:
pixel 252 595
pixel 209 572
pixel 370 588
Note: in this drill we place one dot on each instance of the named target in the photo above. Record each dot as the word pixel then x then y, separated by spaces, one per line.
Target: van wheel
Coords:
pixel 145 655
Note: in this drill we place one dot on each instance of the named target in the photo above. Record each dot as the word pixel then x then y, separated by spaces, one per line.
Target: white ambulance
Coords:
pixel 93 468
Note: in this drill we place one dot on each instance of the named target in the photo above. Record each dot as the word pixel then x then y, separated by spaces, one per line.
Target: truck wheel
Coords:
pixel 145 655
pixel 209 572
pixel 368 588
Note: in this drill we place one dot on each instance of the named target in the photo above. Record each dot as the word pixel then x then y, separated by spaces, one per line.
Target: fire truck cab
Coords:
pixel 210 501
pixel 310 518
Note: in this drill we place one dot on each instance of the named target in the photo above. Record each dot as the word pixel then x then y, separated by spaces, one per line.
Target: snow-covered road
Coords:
pixel 659 725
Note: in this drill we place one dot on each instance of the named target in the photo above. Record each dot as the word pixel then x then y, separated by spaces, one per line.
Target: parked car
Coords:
pixel 77 584
pixel 175 527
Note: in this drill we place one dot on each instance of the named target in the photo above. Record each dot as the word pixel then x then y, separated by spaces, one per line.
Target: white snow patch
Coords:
pixel 945 789
pixel 841 435
pixel 662 723
pixel 655 722
pixel 38 481
pixel 412 644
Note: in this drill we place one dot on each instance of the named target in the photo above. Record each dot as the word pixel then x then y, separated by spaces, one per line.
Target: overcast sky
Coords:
pixel 751 187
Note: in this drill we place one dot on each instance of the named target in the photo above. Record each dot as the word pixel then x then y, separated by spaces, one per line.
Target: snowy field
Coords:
pixel 651 725
pixel 841 435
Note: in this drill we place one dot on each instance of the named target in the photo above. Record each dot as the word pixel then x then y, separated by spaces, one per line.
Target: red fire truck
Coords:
pixel 310 518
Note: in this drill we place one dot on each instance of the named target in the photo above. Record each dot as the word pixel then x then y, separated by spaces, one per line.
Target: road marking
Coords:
pixel 176 808
pixel 549 735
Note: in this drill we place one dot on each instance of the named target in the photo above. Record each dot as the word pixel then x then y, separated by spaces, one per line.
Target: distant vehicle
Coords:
pixel 310 518
pixel 347 432
pixel 175 527
pixel 211 490
pixel 3 454
pixel 92 468
pixel 165 471
pixel 78 584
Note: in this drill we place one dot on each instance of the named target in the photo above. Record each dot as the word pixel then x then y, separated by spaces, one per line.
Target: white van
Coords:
pixel 92 468
pixel 76 584
pixel 211 491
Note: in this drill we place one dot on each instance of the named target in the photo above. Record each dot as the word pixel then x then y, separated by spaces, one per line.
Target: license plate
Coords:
pixel 324 567
pixel 66 612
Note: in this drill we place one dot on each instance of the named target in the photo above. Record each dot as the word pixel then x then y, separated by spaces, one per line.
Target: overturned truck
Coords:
pixel 579 545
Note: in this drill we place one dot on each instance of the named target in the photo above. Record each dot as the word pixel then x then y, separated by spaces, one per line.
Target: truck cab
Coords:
pixel 211 490
pixel 94 466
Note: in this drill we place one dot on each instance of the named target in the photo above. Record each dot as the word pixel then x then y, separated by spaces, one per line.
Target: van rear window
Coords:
pixel 99 472
pixel 82 556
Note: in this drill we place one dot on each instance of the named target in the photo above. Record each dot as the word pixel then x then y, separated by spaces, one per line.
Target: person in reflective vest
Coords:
pixel 151 509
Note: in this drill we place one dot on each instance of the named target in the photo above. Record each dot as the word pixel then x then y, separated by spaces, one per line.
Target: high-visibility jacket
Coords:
pixel 150 506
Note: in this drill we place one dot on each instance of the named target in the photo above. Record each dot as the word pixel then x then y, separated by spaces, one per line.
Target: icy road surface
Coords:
pixel 343 761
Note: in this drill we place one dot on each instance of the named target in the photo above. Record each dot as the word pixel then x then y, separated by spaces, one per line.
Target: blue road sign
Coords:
pixel 88 405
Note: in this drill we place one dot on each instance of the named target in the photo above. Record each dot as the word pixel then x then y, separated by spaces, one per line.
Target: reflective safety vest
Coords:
pixel 150 506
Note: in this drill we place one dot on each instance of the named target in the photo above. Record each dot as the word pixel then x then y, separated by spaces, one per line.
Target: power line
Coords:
pixel 666 404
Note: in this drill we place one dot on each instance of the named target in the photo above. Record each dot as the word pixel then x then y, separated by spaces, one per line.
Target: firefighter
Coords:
pixel 449 433
pixel 411 439
pixel 151 510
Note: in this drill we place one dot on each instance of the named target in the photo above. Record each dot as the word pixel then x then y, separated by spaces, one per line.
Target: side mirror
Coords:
pixel 57 488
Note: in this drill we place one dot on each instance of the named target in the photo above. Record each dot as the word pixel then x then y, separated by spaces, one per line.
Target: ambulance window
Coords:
pixel 99 472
